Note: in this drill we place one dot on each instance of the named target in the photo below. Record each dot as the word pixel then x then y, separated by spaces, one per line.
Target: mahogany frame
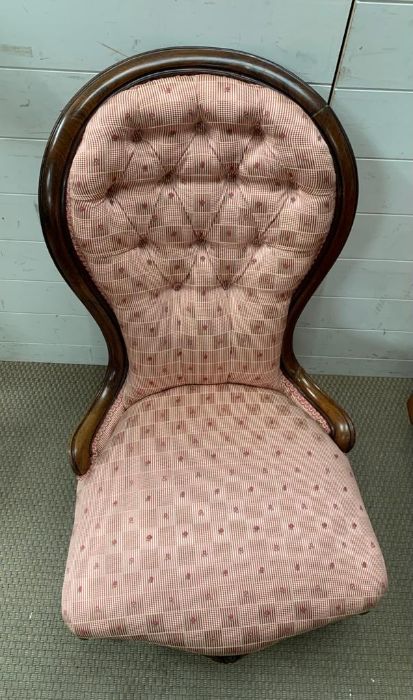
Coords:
pixel 57 160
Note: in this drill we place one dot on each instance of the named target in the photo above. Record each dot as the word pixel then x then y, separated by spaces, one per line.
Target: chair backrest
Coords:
pixel 185 196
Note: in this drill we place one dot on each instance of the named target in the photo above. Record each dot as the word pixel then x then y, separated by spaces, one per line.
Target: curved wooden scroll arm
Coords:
pixel 341 426
pixel 80 446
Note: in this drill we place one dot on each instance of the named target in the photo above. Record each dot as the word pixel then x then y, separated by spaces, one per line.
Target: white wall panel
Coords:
pixel 380 236
pixel 49 328
pixel 373 97
pixel 39 352
pixel 369 279
pixel 357 366
pixel 385 186
pixel 20 161
pixel 26 260
pixel 358 314
pixel 77 35
pixel 378 122
pixel 339 342
pixel 378 49
pixel 19 218
pixel 19 296
pixel 31 100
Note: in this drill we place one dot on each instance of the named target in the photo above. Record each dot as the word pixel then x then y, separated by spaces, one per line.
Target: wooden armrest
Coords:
pixel 80 448
pixel 341 426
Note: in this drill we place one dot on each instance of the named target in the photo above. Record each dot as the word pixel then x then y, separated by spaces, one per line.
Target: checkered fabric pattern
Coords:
pixel 217 516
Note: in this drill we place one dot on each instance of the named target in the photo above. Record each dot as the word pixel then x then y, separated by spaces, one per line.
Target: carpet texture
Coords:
pixel 362 657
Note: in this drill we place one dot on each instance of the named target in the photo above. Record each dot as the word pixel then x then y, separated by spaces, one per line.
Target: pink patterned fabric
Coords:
pixel 217 516
pixel 198 203
pixel 218 519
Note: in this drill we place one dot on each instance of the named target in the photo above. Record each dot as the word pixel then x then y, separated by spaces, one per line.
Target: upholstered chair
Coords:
pixel 194 199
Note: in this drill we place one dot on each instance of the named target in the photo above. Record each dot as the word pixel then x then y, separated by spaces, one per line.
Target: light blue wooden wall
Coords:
pixel 360 320
pixel 373 96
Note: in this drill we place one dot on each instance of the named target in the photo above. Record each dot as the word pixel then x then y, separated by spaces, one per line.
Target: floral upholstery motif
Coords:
pixel 217 516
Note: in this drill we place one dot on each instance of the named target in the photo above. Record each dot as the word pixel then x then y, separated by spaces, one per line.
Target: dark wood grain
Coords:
pixel 56 164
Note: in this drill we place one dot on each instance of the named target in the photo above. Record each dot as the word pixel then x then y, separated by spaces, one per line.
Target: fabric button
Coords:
pixel 142 241
pixel 232 172
pixel 225 284
pixel 200 127
pixel 177 286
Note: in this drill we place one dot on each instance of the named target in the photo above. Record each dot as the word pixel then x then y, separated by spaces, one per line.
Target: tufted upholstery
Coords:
pixel 218 515
pixel 198 203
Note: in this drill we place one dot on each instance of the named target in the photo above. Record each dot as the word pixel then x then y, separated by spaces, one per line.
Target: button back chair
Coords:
pixel 193 199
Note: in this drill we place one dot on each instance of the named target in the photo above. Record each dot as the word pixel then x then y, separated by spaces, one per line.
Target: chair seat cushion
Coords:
pixel 218 519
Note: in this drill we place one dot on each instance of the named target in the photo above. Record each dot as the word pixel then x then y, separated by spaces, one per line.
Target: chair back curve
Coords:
pixel 194 199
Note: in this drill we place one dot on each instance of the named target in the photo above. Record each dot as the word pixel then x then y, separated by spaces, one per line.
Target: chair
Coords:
pixel 193 199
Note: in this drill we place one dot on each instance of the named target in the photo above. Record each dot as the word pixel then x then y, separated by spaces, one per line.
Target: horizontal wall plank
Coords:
pixel 359 314
pixel 378 122
pixel 358 367
pixel 99 354
pixel 19 218
pixel 35 298
pixel 380 236
pixel 72 354
pixel 339 342
pixel 49 328
pixel 31 100
pixel 27 260
pixel 369 279
pixel 20 161
pixel 25 296
pixel 388 2
pixel 378 49
pixel 56 298
pixel 355 278
pixel 38 352
pixel 323 313
pixel 385 186
pixel 323 90
pixel 36 35
pixel 324 340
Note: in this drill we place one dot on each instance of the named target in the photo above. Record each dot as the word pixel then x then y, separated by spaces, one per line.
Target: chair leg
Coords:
pixel 225 659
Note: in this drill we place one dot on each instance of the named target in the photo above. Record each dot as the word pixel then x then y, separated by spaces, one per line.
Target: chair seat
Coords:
pixel 218 519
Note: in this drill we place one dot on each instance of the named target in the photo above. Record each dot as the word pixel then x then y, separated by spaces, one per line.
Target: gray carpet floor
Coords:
pixel 363 657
